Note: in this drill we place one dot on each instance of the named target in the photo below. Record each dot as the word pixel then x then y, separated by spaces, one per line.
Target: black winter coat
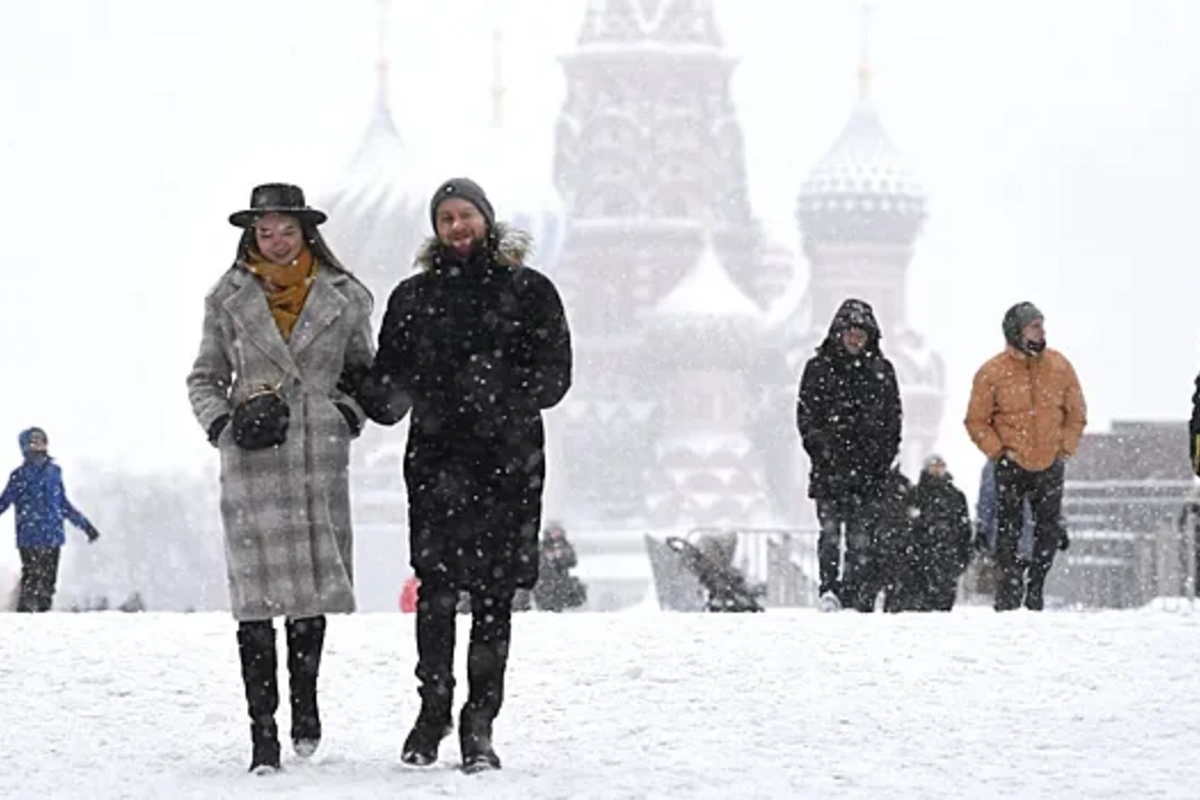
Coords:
pixel 1194 430
pixel 479 347
pixel 848 412
pixel 940 545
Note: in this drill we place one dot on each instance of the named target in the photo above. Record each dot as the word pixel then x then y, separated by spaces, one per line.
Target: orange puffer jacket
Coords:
pixel 1031 407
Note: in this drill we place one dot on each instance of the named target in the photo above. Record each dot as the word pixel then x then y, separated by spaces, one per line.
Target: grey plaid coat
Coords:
pixel 286 510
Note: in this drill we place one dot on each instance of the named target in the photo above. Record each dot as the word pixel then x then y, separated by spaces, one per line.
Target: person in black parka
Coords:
pixel 477 343
pixel 941 534
pixel 849 416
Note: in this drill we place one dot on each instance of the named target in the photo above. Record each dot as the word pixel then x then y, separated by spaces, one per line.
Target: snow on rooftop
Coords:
pixel 707 290
pixel 383 174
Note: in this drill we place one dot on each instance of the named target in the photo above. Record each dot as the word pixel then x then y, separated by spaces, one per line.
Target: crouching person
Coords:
pixel 557 589
pixel 478 343
pixel 278 327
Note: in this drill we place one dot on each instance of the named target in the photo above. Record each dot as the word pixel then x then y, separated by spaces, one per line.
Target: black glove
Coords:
pixel 214 430
pixel 1064 541
pixel 351 419
pixel 92 533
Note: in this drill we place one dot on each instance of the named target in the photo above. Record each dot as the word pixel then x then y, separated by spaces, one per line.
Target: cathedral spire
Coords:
pixel 864 58
pixel 497 78
pixel 383 66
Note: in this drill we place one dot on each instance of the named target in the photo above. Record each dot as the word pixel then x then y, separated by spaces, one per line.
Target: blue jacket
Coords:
pixel 36 489
pixel 987 512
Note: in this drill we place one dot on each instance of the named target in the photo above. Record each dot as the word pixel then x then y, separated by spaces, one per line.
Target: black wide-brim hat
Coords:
pixel 277 198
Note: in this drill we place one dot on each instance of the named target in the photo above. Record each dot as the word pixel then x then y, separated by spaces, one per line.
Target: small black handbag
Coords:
pixel 261 420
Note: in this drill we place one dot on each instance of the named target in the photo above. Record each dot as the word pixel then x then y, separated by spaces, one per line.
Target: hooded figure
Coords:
pixel 477 343
pixel 849 416
pixel 36 489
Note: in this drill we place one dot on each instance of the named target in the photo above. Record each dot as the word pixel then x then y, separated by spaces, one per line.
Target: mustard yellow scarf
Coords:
pixel 287 286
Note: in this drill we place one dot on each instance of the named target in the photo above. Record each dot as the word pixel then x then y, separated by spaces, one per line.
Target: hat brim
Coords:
pixel 246 218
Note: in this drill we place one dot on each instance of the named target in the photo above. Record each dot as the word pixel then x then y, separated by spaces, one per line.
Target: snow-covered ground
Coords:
pixel 634 704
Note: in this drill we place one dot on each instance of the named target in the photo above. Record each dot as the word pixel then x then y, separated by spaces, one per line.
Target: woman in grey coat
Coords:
pixel 279 328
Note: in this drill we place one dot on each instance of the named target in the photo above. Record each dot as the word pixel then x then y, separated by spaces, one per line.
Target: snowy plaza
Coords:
pixel 637 704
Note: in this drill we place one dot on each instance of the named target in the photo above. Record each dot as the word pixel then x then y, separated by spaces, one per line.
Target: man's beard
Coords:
pixel 1035 346
pixel 473 249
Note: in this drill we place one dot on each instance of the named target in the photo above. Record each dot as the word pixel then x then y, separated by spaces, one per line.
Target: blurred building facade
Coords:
pixel 689 326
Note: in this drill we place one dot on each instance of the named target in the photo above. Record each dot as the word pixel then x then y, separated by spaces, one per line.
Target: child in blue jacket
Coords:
pixel 36 489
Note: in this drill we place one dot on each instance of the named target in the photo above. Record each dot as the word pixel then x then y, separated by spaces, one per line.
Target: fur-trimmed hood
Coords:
pixel 510 248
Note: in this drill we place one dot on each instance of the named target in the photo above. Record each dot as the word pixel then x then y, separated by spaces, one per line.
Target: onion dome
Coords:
pixel 377 205
pixel 863 189
pixel 705 321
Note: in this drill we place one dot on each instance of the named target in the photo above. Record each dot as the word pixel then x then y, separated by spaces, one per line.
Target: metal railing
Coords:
pixel 1102 569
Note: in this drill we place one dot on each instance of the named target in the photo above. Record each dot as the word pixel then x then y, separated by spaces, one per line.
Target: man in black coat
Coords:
pixel 848 413
pixel 477 342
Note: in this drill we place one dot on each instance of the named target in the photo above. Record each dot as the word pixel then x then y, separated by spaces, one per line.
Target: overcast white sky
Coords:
pixel 1057 141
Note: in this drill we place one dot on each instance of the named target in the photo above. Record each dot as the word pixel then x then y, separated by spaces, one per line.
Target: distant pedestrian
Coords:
pixel 36 489
pixel 941 532
pixel 848 413
pixel 1027 413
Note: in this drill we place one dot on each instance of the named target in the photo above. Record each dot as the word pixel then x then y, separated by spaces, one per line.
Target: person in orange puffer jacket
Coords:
pixel 1027 413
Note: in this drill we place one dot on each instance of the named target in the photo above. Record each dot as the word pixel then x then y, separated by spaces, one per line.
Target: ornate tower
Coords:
pixel 378 204
pixel 377 219
pixel 860 211
pixel 707 470
pixel 649 162
pixel 516 176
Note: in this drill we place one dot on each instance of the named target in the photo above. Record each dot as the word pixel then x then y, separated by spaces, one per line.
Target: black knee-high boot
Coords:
pixel 305 641
pixel 260 674
pixel 436 620
pixel 487 661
